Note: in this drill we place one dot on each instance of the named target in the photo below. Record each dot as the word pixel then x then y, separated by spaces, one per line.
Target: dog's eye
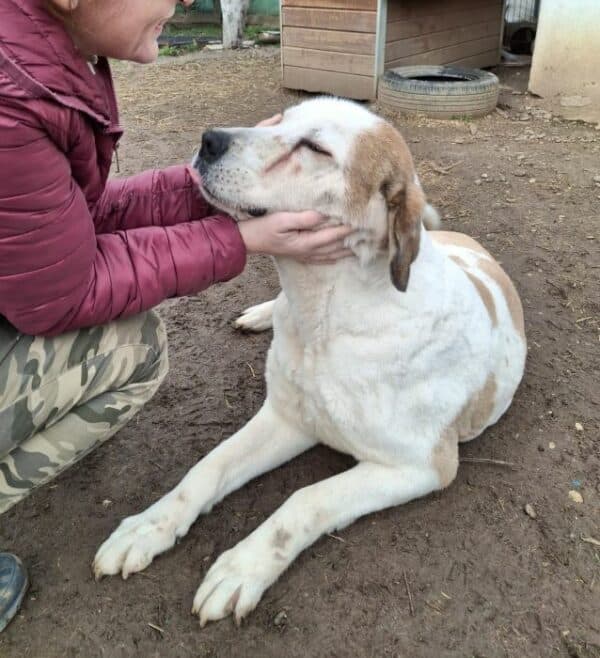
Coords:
pixel 313 147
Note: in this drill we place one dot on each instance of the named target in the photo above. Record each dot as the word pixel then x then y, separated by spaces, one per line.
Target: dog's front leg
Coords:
pixel 265 442
pixel 237 580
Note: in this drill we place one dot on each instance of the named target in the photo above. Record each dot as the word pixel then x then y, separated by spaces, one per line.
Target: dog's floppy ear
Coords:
pixel 381 166
pixel 405 203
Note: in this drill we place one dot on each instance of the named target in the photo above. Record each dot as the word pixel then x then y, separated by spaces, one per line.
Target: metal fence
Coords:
pixel 520 25
pixel 522 11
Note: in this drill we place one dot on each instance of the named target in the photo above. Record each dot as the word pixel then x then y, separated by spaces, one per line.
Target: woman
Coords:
pixel 83 259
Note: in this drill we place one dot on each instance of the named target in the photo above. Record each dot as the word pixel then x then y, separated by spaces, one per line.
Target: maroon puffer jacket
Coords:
pixel 76 250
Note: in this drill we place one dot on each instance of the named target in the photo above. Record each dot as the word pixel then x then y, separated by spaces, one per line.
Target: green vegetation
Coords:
pixel 210 31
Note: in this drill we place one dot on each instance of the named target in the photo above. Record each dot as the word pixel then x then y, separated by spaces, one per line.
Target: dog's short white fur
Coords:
pixel 394 356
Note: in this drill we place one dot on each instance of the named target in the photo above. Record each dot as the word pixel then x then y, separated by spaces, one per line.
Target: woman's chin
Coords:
pixel 146 53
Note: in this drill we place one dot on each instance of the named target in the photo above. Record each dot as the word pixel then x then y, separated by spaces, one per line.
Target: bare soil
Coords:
pixel 485 579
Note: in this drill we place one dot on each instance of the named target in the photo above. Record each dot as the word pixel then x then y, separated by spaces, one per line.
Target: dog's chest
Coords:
pixel 343 391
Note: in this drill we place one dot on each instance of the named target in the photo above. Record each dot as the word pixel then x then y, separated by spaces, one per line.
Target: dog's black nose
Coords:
pixel 214 145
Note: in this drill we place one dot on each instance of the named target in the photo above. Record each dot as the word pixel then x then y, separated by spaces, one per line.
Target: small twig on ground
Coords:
pixel 251 369
pixel 157 628
pixel 336 537
pixel 433 607
pixel 410 601
pixel 483 460
pixel 443 170
pixel 590 540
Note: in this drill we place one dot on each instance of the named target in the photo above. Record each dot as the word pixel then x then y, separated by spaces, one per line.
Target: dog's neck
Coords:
pixel 314 291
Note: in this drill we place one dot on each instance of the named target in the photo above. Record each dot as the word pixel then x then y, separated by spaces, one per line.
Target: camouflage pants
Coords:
pixel 61 397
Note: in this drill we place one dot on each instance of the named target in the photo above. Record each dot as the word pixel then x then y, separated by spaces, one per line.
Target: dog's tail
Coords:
pixel 431 218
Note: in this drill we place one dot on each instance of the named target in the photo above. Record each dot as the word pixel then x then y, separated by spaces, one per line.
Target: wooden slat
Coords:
pixel 327 61
pixel 364 5
pixel 445 55
pixel 489 58
pixel 438 40
pixel 360 87
pixel 415 9
pixel 427 24
pixel 336 41
pixel 329 19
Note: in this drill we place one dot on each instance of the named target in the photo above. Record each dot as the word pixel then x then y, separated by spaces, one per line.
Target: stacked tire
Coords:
pixel 442 92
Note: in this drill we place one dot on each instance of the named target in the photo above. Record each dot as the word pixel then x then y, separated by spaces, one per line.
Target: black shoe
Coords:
pixel 13 585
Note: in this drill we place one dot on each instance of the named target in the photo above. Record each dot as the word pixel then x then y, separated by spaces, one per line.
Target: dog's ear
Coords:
pixel 382 168
pixel 405 204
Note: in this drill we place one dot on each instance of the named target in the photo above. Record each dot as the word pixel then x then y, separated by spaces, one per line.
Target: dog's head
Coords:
pixel 329 155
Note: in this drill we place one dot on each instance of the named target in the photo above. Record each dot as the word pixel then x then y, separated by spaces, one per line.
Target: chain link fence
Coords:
pixel 520 26
pixel 522 11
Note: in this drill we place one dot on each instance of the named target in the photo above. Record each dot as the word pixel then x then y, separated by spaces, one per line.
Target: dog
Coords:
pixel 394 356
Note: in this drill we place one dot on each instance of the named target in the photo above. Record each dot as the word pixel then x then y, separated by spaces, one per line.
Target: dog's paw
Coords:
pixel 233 585
pixel 256 318
pixel 137 541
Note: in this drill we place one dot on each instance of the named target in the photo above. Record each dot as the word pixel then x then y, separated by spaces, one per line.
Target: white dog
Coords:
pixel 393 357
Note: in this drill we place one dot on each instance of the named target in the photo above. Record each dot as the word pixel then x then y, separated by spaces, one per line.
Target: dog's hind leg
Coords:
pixel 237 580
pixel 256 318
pixel 265 442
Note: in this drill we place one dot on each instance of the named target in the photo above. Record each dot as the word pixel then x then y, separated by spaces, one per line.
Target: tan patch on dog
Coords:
pixel 486 297
pixel 474 416
pixel 459 261
pixel 281 538
pixel 445 460
pixel 492 269
pixel 379 156
pixel 458 240
pixel 469 423
pixel 382 164
pixel 499 276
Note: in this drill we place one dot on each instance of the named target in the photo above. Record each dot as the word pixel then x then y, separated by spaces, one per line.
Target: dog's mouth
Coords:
pixel 256 212
pixel 236 210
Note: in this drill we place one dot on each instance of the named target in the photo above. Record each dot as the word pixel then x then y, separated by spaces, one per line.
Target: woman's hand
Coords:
pixel 298 235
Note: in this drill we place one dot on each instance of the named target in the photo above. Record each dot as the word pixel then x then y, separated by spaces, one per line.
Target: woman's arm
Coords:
pixel 56 274
pixel 159 197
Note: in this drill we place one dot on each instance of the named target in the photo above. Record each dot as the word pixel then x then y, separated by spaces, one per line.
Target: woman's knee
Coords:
pixel 153 336
pixel 118 366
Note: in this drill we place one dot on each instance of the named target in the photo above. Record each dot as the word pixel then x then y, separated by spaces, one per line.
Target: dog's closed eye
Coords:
pixel 316 148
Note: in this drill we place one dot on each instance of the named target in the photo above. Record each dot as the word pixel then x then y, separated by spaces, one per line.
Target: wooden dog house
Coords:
pixel 341 47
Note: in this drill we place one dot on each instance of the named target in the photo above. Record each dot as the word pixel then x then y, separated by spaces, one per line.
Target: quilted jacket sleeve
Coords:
pixel 152 198
pixel 56 274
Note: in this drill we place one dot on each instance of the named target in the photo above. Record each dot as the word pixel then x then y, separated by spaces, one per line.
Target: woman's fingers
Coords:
pixel 332 257
pixel 328 236
pixel 271 121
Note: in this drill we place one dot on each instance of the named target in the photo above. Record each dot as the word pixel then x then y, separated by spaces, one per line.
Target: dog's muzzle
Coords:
pixel 215 143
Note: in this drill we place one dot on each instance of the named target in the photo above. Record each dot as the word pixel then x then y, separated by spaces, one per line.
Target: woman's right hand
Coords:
pixel 298 235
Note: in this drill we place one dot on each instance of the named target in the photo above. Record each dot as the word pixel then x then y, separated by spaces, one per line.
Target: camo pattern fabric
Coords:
pixel 61 397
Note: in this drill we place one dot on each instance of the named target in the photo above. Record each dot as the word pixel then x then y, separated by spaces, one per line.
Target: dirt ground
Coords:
pixel 485 579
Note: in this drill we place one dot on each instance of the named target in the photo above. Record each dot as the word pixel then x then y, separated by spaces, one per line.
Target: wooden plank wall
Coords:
pixel 460 32
pixel 329 46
